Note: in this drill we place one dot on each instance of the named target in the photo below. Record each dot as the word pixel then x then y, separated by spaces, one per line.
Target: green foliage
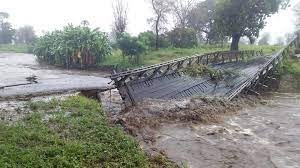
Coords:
pixel 183 37
pixel 238 18
pixel 198 70
pixel 291 66
pixel 264 39
pixel 73 46
pixel 76 133
pixel 166 54
pixel 148 38
pixel 25 35
pixel 132 47
pixel 201 19
pixel 6 30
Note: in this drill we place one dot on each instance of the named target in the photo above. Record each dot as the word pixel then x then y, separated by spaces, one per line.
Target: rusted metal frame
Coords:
pixel 130 95
pixel 253 79
pixel 153 73
pixel 121 81
pixel 139 75
pixel 179 65
pixel 195 85
pixel 167 70
pixel 207 59
pixel 134 71
pixel 138 70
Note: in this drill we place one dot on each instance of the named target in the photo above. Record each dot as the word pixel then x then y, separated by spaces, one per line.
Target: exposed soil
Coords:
pixel 247 132
pixel 151 114
pixel 201 133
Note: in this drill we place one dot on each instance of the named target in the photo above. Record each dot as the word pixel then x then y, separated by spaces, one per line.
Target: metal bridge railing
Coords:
pixel 177 64
pixel 269 65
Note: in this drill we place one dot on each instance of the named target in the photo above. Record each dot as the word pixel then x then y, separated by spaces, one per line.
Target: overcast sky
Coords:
pixel 47 15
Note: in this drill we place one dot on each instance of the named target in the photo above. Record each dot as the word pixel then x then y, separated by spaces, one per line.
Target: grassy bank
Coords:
pixel 70 133
pixel 292 66
pixel 161 55
pixel 15 48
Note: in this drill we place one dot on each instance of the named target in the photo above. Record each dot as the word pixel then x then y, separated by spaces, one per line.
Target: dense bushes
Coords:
pixel 149 40
pixel 132 47
pixel 183 37
pixel 73 46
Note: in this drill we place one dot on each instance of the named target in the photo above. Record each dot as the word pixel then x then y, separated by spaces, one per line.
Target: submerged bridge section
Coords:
pixel 168 80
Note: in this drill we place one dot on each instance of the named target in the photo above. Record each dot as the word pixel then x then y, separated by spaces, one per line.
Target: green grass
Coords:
pixel 291 66
pixel 154 57
pixel 15 48
pixel 77 134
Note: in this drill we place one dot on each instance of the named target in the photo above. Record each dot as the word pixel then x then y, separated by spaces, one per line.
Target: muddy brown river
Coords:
pixel 265 136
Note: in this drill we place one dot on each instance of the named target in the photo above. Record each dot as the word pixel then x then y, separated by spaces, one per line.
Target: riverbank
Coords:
pixel 247 132
pixel 68 131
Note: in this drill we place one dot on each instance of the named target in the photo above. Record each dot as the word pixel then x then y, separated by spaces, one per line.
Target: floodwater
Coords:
pixel 266 136
pixel 16 67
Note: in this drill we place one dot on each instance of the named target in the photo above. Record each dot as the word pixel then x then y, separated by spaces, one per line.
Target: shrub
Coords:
pixel 73 46
pixel 183 37
pixel 148 38
pixel 132 47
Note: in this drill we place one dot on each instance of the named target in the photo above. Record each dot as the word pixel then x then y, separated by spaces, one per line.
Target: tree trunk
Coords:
pixel 235 42
pixel 157 34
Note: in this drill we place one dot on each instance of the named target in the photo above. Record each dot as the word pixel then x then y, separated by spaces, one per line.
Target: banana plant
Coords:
pixel 73 46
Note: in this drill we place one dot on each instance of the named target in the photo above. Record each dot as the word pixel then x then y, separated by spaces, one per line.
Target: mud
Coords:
pixel 144 119
pixel 199 132
pixel 248 132
pixel 14 110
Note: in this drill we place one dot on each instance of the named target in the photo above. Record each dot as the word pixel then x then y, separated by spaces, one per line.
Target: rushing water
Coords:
pixel 16 67
pixel 259 137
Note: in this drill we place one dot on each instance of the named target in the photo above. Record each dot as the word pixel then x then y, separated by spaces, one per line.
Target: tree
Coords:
pixel 85 23
pixel 181 10
pixel 160 8
pixel 264 40
pixel 132 47
pixel 6 30
pixel 25 35
pixel 120 17
pixel 183 37
pixel 148 38
pixel 297 12
pixel 201 19
pixel 238 18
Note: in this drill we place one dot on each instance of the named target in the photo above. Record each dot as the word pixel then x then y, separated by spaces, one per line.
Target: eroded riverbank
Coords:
pixel 263 136
pixel 199 133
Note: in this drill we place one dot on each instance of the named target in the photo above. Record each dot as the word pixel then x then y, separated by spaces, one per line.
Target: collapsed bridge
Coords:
pixel 168 80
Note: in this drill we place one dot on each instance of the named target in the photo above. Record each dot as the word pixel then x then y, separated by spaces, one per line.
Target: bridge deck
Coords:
pixel 178 85
pixel 48 86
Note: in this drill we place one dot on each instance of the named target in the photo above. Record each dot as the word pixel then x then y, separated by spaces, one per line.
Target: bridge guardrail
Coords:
pixel 269 65
pixel 176 64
